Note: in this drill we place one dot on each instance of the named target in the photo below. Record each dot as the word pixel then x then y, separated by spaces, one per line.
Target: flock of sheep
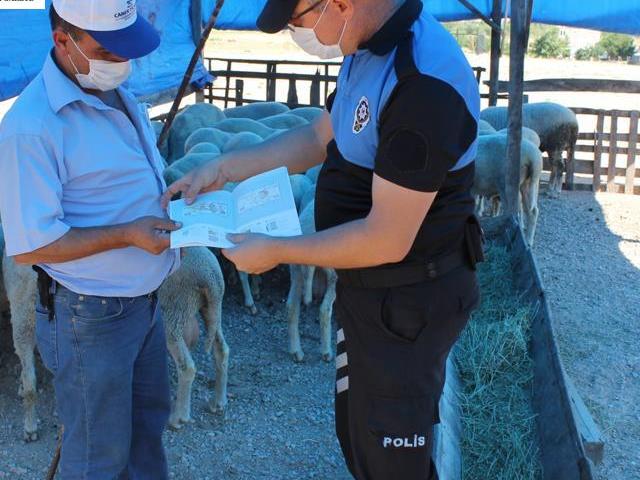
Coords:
pixel 201 132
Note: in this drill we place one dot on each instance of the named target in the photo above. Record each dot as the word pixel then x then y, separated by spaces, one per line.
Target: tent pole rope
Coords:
pixel 189 73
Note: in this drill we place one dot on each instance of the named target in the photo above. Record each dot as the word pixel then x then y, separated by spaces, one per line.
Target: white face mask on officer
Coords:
pixel 308 41
pixel 103 75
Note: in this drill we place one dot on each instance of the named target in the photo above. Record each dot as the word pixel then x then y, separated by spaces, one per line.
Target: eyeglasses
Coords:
pixel 307 10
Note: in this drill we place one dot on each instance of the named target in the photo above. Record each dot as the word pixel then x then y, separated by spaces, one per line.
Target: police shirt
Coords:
pixel 406 108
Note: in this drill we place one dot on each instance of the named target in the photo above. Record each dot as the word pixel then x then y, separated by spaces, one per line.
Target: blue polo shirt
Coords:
pixel 406 108
pixel 69 160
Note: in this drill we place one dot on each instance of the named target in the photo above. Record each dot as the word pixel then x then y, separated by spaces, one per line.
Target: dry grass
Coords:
pixel 499 439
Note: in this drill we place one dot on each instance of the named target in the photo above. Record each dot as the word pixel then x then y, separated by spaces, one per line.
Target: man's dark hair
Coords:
pixel 58 22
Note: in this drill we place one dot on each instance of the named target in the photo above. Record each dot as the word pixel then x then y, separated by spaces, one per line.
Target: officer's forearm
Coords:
pixel 78 243
pixel 356 244
pixel 298 150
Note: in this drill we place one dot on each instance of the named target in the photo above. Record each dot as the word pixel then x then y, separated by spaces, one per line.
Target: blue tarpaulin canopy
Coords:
pixel 25 36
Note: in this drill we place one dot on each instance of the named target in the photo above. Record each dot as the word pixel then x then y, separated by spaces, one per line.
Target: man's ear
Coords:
pixel 61 40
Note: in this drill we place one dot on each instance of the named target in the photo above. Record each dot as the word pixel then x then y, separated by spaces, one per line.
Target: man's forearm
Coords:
pixel 298 150
pixel 356 244
pixel 78 243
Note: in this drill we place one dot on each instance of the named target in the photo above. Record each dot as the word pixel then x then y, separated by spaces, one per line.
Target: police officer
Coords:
pixel 393 210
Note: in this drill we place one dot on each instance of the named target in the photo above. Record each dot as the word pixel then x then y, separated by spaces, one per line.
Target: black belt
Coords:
pixel 405 273
pixel 47 288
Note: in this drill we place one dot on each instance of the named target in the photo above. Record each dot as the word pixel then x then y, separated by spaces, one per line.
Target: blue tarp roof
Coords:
pixel 25 35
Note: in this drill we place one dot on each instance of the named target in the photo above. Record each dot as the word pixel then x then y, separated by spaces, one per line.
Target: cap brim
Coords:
pixel 275 15
pixel 135 41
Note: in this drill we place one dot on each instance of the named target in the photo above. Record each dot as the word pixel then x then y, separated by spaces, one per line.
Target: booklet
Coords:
pixel 261 204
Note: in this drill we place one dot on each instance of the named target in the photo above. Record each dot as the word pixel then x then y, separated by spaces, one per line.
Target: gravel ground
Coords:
pixel 278 425
pixel 588 251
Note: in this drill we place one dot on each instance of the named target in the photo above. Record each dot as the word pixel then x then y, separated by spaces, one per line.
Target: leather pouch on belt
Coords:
pixel 474 240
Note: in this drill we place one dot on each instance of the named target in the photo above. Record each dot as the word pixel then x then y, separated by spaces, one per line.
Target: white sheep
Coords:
pixel 256 111
pixel 197 288
pixel 485 128
pixel 557 127
pixel 527 134
pixel 188 121
pixel 21 287
pixel 301 290
pixel 490 177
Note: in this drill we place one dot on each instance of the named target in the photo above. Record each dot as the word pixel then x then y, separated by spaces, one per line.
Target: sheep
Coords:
pixel 300 185
pixel 284 121
pixel 241 140
pixel 188 121
pixel 301 290
pixel 557 127
pixel 189 162
pixel 485 128
pixel 256 111
pixel 527 134
pixel 308 113
pixel 204 148
pixel 197 287
pixel 314 172
pixel 238 125
pixel 164 148
pixel 206 135
pixel 21 287
pixel 490 177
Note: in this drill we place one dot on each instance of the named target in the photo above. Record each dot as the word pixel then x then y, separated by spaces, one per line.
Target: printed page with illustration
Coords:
pixel 261 204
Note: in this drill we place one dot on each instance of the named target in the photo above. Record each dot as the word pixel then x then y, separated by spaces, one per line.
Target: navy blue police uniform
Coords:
pixel 406 108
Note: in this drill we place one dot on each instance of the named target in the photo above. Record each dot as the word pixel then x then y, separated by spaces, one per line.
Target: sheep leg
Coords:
pixel 308 274
pixel 479 205
pixel 212 315
pixel 246 291
pixel 256 281
pixel 186 369
pixel 496 206
pixel 326 311
pixel 530 199
pixel 24 344
pixel 293 312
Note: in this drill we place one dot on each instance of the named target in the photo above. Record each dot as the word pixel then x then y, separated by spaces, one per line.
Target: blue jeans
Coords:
pixel 108 357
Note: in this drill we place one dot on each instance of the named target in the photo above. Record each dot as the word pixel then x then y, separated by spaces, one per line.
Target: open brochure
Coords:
pixel 261 204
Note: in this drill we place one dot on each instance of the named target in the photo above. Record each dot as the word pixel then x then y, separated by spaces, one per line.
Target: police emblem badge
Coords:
pixel 362 115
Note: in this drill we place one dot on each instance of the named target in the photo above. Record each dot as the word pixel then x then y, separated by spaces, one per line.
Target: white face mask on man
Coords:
pixel 308 41
pixel 103 75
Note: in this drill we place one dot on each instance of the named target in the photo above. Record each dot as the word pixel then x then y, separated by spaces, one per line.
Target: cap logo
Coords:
pixel 125 15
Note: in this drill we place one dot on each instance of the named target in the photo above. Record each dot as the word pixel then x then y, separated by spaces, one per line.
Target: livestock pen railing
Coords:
pixel 613 160
pixel 607 154
pixel 296 83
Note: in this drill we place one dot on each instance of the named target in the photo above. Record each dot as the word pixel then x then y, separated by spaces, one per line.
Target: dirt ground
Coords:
pixel 588 251
pixel 278 425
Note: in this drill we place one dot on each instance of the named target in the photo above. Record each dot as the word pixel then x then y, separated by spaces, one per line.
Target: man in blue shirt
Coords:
pixel 81 181
pixel 393 210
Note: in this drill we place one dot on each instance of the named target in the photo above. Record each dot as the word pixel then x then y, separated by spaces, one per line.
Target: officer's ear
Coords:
pixel 345 7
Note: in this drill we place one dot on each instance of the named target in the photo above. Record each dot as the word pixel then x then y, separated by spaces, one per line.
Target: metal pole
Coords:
pixel 516 88
pixel 189 73
pixel 496 53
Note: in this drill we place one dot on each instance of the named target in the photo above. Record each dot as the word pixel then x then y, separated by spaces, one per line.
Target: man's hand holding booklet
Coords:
pixel 261 204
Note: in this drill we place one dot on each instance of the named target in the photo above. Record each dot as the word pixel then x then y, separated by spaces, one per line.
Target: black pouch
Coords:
pixel 44 290
pixel 474 241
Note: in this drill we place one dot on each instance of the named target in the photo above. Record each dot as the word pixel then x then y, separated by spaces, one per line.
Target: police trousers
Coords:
pixel 108 357
pixel 391 354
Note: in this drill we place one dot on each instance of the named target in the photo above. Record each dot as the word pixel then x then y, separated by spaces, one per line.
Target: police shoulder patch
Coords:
pixel 362 115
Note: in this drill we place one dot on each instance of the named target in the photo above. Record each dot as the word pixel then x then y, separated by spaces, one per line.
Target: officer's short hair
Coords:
pixel 58 22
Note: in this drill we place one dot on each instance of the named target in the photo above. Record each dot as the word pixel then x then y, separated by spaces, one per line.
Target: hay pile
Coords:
pixel 499 438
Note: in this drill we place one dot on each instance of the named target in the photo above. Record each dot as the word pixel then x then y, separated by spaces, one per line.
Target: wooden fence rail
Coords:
pixel 613 143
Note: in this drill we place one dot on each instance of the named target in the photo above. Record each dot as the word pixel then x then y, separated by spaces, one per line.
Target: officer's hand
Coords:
pixel 206 178
pixel 253 253
pixel 151 233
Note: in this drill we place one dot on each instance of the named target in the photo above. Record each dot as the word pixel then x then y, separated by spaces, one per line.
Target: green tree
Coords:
pixel 551 44
pixel 617 46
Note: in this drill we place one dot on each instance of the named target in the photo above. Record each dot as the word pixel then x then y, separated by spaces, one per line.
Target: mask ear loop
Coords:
pixel 81 53
pixel 326 5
